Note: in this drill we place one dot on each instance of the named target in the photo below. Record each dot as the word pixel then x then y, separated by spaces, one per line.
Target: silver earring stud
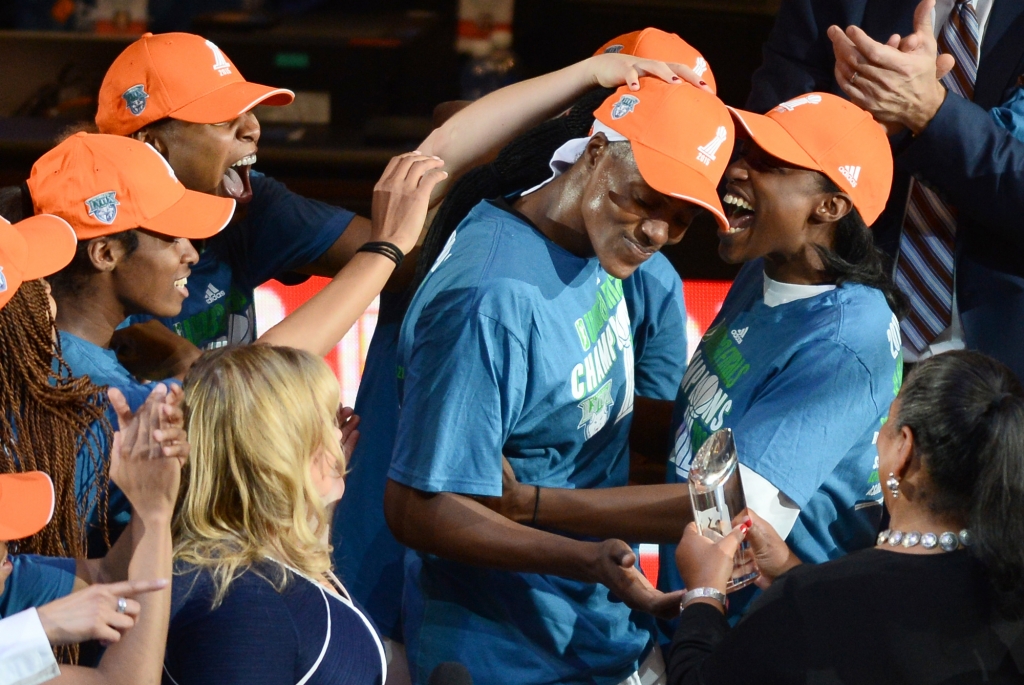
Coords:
pixel 893 484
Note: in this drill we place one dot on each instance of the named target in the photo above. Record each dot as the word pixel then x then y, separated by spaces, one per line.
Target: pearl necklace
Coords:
pixel 947 542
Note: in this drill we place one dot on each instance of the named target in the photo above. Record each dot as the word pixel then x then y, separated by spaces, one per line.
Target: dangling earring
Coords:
pixel 893 484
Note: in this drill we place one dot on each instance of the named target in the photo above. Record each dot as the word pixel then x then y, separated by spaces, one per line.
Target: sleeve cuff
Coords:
pixel 25 652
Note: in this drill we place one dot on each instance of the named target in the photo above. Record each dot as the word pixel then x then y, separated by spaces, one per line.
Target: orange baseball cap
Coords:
pixel 104 184
pixel 34 248
pixel 176 75
pixel 26 504
pixel 826 133
pixel 681 136
pixel 652 43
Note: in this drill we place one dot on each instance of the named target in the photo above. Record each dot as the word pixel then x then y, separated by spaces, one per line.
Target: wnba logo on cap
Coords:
pixel 706 152
pixel 614 49
pixel 103 207
pixel 700 66
pixel 625 105
pixel 3 281
pixel 135 98
pixel 793 104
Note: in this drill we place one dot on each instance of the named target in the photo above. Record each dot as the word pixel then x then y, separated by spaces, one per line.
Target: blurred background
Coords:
pixel 368 74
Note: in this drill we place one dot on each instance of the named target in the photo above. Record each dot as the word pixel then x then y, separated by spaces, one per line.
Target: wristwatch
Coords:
pixel 698 592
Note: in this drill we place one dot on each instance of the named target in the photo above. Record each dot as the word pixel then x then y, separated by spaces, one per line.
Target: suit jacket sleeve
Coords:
pixel 798 56
pixel 978 164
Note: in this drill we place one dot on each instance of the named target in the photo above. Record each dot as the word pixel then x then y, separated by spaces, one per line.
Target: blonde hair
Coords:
pixel 255 416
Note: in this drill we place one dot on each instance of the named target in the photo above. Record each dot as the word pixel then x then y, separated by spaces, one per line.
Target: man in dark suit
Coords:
pixel 967 169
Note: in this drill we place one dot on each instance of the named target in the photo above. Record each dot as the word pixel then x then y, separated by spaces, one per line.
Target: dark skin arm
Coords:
pixel 459 528
pixel 648 441
pixel 656 513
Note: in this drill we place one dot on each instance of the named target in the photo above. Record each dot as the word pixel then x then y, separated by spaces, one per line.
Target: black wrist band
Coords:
pixel 536 506
pixel 389 250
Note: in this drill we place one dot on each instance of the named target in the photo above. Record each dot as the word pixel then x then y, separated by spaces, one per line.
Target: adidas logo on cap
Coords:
pixel 851 174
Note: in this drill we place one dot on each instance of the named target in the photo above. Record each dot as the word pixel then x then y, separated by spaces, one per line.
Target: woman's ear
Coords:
pixel 153 136
pixel 104 253
pixel 906 460
pixel 832 208
pixel 596 148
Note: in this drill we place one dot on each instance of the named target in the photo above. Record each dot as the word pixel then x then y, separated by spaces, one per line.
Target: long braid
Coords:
pixel 47 416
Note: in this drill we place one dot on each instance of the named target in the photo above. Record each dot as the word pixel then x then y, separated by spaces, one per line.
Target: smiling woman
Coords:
pixel 804 357
pixel 133 221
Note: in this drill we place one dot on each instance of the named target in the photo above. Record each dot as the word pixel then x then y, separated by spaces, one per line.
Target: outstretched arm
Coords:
pixel 459 528
pixel 399 209
pixel 491 122
pixel 634 513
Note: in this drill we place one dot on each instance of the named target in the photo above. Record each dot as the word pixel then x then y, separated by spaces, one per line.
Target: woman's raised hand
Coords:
pixel 401 198
pixel 612 70
pixel 149 449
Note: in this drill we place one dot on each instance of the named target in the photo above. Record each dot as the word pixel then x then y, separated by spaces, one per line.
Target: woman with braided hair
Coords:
pixel 49 418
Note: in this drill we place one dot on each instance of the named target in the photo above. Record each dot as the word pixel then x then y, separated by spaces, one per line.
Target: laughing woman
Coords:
pixel 804 357
pixel 801 362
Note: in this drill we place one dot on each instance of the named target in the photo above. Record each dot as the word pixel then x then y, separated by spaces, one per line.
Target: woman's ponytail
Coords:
pixel 966 411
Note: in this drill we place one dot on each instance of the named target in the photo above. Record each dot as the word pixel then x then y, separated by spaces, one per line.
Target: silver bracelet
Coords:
pixel 699 592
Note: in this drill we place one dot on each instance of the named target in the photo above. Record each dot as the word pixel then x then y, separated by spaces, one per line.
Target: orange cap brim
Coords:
pixel 771 137
pixel 231 101
pixel 194 216
pixel 676 179
pixel 26 504
pixel 51 245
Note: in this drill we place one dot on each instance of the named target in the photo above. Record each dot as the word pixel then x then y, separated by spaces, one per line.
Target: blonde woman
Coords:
pixel 255 600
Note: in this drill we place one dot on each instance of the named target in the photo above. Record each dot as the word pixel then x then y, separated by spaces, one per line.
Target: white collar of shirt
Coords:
pixel 776 292
pixel 943 8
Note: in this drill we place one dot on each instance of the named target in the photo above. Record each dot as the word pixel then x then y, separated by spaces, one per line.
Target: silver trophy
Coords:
pixel 719 505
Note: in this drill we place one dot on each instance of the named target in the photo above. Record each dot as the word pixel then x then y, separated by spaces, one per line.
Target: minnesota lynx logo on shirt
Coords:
pixel 711 374
pixel 603 334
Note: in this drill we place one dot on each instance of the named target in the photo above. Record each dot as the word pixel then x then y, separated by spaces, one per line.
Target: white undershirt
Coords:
pixel 953 337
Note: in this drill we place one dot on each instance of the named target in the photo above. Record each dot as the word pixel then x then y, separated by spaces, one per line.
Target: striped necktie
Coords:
pixel 924 269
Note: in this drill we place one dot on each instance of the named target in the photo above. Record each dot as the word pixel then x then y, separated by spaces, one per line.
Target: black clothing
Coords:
pixel 872 617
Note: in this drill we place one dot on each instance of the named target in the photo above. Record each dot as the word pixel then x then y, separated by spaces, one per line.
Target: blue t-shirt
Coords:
pixel 514 346
pixel 259 636
pixel 366 554
pixel 35 581
pixel 279 232
pixel 85 358
pixel 805 386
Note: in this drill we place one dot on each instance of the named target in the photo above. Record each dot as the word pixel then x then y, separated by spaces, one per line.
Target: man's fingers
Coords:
pixel 389 170
pixel 923 17
pixel 943 65
pixel 873 52
pixel 894 41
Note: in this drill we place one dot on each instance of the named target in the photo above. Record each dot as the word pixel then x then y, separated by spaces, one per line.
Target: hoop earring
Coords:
pixel 893 484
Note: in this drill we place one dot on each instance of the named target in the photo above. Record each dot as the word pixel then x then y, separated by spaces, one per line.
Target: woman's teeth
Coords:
pixel 181 283
pixel 731 199
pixel 739 218
pixel 248 160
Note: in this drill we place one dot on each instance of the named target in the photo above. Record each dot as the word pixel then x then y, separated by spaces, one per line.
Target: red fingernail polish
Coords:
pixel 703 83
pixel 748 522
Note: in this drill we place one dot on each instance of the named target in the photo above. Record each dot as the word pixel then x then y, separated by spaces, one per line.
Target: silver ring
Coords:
pixel 122 605
pixel 854 77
